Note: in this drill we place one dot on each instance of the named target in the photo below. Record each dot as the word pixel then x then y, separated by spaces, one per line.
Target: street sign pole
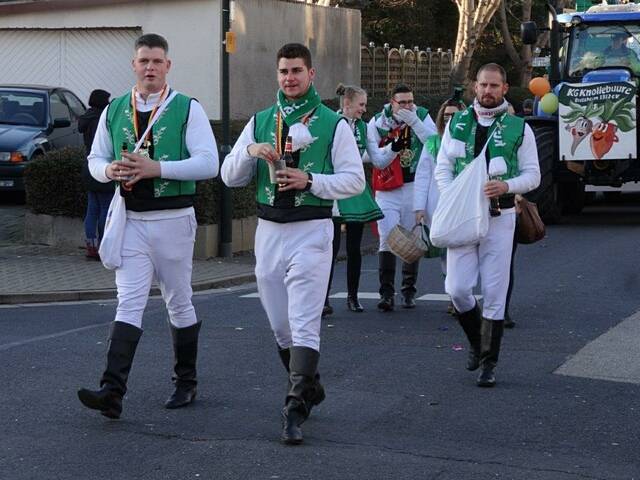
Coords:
pixel 226 212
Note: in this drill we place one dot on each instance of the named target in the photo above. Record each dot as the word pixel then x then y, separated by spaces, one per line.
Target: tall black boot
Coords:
pixel 303 368
pixel 471 323
pixel 387 274
pixel 123 341
pixel 409 279
pixel 185 354
pixel 491 337
pixel 317 394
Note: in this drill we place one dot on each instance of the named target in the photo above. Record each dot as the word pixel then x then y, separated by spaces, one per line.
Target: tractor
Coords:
pixel 594 71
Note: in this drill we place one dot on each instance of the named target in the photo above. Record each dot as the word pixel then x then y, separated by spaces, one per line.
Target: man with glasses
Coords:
pixel 395 137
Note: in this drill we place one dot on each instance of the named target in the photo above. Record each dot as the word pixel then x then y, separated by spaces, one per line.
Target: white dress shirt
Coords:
pixel 346 181
pixel 200 142
pixel 528 178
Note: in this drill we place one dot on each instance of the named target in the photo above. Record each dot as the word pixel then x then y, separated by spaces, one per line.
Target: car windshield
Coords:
pixel 22 108
pixel 604 46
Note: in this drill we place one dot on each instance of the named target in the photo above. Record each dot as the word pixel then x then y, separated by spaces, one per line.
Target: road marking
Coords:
pixel 613 356
pixel 429 297
pixel 7 346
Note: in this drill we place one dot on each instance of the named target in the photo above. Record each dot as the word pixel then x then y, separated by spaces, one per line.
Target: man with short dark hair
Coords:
pixel 156 142
pixel 294 236
pixel 395 138
pixel 508 146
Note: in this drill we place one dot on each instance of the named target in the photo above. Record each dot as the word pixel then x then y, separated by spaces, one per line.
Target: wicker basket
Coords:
pixel 406 244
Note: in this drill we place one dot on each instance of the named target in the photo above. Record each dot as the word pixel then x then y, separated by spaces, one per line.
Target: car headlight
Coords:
pixel 13 157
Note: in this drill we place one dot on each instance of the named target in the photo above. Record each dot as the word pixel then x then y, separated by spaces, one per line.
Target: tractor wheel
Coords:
pixel 547 193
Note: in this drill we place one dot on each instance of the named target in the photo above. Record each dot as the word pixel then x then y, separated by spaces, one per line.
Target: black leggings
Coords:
pixel 511 276
pixel 354 256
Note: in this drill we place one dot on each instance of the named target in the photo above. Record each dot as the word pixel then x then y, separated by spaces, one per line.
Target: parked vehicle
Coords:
pixel 594 70
pixel 33 120
pixel 592 138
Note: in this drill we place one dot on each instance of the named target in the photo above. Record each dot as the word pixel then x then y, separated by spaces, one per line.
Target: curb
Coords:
pixel 111 293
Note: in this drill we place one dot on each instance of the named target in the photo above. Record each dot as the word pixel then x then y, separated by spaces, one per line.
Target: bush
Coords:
pixel 54 186
pixel 53 183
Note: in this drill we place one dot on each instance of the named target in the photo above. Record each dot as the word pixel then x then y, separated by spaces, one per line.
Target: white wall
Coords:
pixel 263 26
pixel 192 28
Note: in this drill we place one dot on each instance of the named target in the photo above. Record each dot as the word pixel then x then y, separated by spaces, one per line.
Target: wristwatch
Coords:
pixel 309 183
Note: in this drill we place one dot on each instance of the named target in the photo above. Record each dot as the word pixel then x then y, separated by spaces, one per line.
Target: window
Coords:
pixel 21 108
pixel 59 109
pixel 77 108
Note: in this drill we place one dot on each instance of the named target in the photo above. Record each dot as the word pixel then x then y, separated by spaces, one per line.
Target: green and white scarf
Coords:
pixel 294 111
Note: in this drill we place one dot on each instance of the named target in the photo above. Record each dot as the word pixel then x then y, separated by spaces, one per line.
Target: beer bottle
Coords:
pixel 287 156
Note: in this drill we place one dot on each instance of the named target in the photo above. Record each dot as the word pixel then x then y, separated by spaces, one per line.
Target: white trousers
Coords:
pixel 163 248
pixel 293 261
pixel 397 206
pixel 490 259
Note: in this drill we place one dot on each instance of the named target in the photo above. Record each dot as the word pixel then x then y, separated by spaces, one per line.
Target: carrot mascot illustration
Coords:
pixel 602 139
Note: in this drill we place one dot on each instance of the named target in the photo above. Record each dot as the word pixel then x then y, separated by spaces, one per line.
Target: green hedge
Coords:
pixel 53 183
pixel 54 186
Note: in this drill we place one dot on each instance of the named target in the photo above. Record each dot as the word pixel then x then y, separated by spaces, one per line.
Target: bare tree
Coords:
pixel 474 17
pixel 522 59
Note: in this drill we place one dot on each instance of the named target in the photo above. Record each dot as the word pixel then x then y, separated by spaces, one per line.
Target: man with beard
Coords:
pixel 293 245
pixel 511 144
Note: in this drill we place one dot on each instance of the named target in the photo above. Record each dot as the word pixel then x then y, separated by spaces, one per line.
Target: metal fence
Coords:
pixel 426 71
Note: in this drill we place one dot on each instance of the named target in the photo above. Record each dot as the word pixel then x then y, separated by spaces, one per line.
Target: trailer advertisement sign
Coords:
pixel 602 113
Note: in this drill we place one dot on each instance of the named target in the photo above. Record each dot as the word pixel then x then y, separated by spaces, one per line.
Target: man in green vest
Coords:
pixel 508 147
pixel 395 138
pixel 295 231
pixel 155 142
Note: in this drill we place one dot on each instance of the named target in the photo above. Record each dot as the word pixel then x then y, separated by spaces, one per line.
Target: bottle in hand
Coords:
pixel 125 149
pixel 286 159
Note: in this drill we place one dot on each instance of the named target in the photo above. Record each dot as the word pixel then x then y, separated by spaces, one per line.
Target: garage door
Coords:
pixel 81 60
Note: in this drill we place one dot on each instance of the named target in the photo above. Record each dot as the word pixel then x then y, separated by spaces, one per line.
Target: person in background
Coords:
pixel 425 190
pixel 395 139
pixel 527 108
pixel 98 194
pixel 356 211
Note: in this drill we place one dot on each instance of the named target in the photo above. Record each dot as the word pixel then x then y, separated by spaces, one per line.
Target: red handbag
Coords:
pixel 388 178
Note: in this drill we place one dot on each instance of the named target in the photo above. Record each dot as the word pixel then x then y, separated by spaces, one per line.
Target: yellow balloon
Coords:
pixel 549 103
pixel 539 86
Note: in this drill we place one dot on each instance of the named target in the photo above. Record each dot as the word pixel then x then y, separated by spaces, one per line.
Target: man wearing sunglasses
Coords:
pixel 395 137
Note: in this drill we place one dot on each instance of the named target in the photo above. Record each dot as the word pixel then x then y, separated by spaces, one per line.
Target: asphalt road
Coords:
pixel 400 404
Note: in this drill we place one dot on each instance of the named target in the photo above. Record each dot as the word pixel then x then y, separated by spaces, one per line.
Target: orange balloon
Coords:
pixel 539 86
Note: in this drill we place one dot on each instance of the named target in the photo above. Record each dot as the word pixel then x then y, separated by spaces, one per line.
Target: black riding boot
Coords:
pixel 317 392
pixel 123 341
pixel 471 322
pixel 185 354
pixel 387 274
pixel 409 279
pixel 491 337
pixel 303 368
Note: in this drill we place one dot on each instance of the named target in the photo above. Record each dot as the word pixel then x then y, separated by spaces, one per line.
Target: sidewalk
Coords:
pixel 34 273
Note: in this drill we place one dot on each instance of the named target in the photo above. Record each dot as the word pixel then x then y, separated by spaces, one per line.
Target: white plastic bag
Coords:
pixel 111 245
pixel 462 214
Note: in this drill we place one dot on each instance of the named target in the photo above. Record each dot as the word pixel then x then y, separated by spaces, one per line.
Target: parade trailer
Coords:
pixel 588 134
